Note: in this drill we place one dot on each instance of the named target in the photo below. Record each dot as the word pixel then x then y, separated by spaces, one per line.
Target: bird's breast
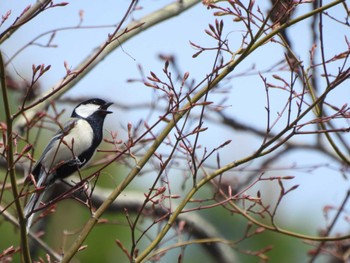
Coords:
pixel 80 137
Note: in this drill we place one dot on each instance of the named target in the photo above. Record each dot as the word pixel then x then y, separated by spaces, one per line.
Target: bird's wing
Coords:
pixel 52 143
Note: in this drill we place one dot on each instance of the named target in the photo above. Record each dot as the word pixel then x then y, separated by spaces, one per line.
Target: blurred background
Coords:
pixel 82 25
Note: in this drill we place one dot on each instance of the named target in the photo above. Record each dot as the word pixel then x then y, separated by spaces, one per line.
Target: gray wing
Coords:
pixel 53 142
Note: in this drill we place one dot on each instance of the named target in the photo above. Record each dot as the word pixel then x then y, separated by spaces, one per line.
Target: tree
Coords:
pixel 278 101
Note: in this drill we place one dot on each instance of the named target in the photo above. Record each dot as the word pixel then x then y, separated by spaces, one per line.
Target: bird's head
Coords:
pixel 92 107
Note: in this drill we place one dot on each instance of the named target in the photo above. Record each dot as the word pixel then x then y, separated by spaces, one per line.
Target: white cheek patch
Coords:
pixel 86 110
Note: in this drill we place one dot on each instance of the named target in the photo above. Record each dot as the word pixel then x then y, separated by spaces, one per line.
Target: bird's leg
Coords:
pixel 75 162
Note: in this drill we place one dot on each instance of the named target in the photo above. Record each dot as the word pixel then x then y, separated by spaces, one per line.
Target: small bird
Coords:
pixel 69 150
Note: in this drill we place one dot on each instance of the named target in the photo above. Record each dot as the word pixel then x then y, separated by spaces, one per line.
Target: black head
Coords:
pixel 90 108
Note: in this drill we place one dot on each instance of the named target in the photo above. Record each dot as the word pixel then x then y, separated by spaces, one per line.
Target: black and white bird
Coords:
pixel 69 150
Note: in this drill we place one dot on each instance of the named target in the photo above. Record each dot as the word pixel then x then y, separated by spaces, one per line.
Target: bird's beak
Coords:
pixel 103 108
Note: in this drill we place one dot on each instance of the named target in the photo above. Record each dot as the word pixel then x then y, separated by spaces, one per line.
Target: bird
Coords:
pixel 70 149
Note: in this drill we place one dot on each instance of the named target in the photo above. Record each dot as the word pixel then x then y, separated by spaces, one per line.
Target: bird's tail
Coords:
pixel 33 204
